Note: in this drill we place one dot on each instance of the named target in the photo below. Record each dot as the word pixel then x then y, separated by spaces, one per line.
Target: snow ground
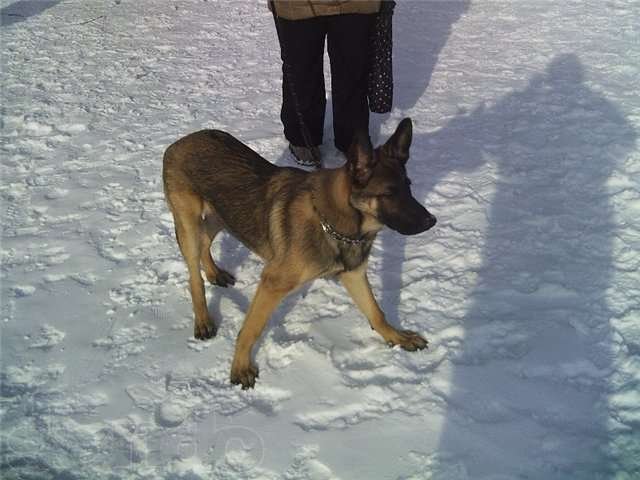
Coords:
pixel 526 118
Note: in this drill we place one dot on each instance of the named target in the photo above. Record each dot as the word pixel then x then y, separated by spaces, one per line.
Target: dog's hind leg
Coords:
pixel 211 227
pixel 187 214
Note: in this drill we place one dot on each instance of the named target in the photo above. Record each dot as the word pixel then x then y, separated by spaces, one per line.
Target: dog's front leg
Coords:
pixel 273 287
pixel 357 284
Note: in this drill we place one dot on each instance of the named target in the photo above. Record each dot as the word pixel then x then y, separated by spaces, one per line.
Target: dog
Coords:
pixel 304 225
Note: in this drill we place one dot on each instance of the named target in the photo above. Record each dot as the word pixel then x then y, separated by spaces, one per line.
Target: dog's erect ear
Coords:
pixel 360 158
pixel 400 141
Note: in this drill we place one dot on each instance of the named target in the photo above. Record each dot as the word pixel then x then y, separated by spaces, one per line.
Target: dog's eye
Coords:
pixel 390 192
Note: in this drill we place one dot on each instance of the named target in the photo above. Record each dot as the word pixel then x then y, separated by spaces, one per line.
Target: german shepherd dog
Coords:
pixel 304 225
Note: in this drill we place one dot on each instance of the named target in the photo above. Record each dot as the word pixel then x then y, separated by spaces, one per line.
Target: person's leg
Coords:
pixel 303 93
pixel 348 46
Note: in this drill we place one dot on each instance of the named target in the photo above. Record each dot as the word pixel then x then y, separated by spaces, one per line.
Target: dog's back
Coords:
pixel 227 175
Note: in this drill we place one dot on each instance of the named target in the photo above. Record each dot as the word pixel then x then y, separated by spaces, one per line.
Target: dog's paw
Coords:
pixel 244 376
pixel 223 279
pixel 204 330
pixel 409 340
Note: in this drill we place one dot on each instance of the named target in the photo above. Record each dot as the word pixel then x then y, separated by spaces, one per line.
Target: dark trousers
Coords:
pixel 302 51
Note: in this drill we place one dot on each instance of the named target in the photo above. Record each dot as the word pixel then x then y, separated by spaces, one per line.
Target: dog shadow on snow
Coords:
pixel 537 349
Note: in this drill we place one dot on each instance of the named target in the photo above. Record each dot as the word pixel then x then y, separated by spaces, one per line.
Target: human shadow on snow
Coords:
pixel 536 355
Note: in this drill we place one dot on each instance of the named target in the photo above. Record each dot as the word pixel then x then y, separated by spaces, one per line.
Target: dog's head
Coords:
pixel 380 187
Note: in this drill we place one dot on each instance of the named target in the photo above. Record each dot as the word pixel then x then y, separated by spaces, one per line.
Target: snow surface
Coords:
pixel 526 118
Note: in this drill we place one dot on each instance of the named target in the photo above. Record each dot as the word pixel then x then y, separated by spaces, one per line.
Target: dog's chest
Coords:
pixel 350 256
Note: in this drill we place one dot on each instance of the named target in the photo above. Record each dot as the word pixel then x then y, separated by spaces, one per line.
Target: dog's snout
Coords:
pixel 413 225
pixel 428 221
pixel 431 221
pixel 408 217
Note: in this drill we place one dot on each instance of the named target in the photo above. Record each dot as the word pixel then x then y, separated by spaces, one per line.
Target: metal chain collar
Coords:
pixel 332 232
pixel 329 230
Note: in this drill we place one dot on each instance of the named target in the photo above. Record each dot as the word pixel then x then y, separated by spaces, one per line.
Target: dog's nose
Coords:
pixel 430 221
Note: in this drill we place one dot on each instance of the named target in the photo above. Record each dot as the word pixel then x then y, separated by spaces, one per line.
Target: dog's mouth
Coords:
pixel 412 227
